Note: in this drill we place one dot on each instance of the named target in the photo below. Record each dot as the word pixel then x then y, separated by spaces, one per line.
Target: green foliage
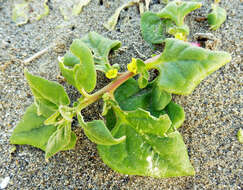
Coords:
pixel 78 67
pixel 59 139
pixel 31 130
pixel 48 95
pixel 98 133
pixel 145 99
pixel 140 134
pixel 177 10
pixel 151 148
pixel 170 19
pixel 152 28
pixel 217 17
pixel 101 47
pixel 183 66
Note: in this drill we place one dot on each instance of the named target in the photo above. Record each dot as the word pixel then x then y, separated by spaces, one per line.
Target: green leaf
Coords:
pixel 180 32
pixel 176 114
pixel 48 95
pixel 151 98
pixel 100 46
pixel 177 10
pixel 70 60
pixel 59 140
pixel 160 98
pixel 147 151
pixel 84 73
pixel 143 122
pixel 217 17
pixel 31 130
pixel 98 133
pixel 240 136
pixel 130 96
pixel 152 28
pixel 72 142
pixel 183 66
pixel 144 74
pixel 67 73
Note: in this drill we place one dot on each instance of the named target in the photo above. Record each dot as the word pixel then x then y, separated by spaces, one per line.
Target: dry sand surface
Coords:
pixel 212 111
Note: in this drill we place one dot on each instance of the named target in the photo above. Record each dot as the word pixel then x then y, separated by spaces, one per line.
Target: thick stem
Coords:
pixel 110 88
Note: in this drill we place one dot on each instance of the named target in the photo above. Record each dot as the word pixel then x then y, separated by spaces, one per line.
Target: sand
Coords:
pixel 213 110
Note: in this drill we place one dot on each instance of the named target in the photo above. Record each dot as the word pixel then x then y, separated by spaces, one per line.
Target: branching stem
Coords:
pixel 111 87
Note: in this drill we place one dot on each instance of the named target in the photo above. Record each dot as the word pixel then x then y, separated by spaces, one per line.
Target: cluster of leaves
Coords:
pixel 171 20
pixel 140 134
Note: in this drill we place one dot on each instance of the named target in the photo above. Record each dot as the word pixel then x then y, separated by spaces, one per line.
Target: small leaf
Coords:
pixel 183 66
pixel 84 73
pixel 70 60
pixel 31 130
pixel 217 17
pixel 240 136
pixel 152 28
pixel 177 10
pixel 98 133
pixel 48 95
pixel 100 46
pixel 160 98
pixel 144 74
pixel 180 32
pixel 111 23
pixel 60 139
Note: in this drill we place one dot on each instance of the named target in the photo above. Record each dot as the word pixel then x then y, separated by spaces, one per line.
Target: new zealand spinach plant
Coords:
pixel 139 135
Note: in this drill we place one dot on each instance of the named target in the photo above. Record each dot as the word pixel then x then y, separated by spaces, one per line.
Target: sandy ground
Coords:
pixel 212 111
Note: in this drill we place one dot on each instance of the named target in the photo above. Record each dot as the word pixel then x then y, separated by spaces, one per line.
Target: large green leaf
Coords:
pixel 98 133
pixel 49 95
pixel 147 150
pixel 78 67
pixel 31 130
pixel 59 140
pixel 160 98
pixel 158 102
pixel 217 17
pixel 68 73
pixel 177 10
pixel 100 46
pixel 152 28
pixel 183 66
pixel 84 73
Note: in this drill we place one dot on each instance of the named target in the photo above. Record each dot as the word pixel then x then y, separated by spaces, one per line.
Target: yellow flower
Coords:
pixel 180 36
pixel 112 73
pixel 132 67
